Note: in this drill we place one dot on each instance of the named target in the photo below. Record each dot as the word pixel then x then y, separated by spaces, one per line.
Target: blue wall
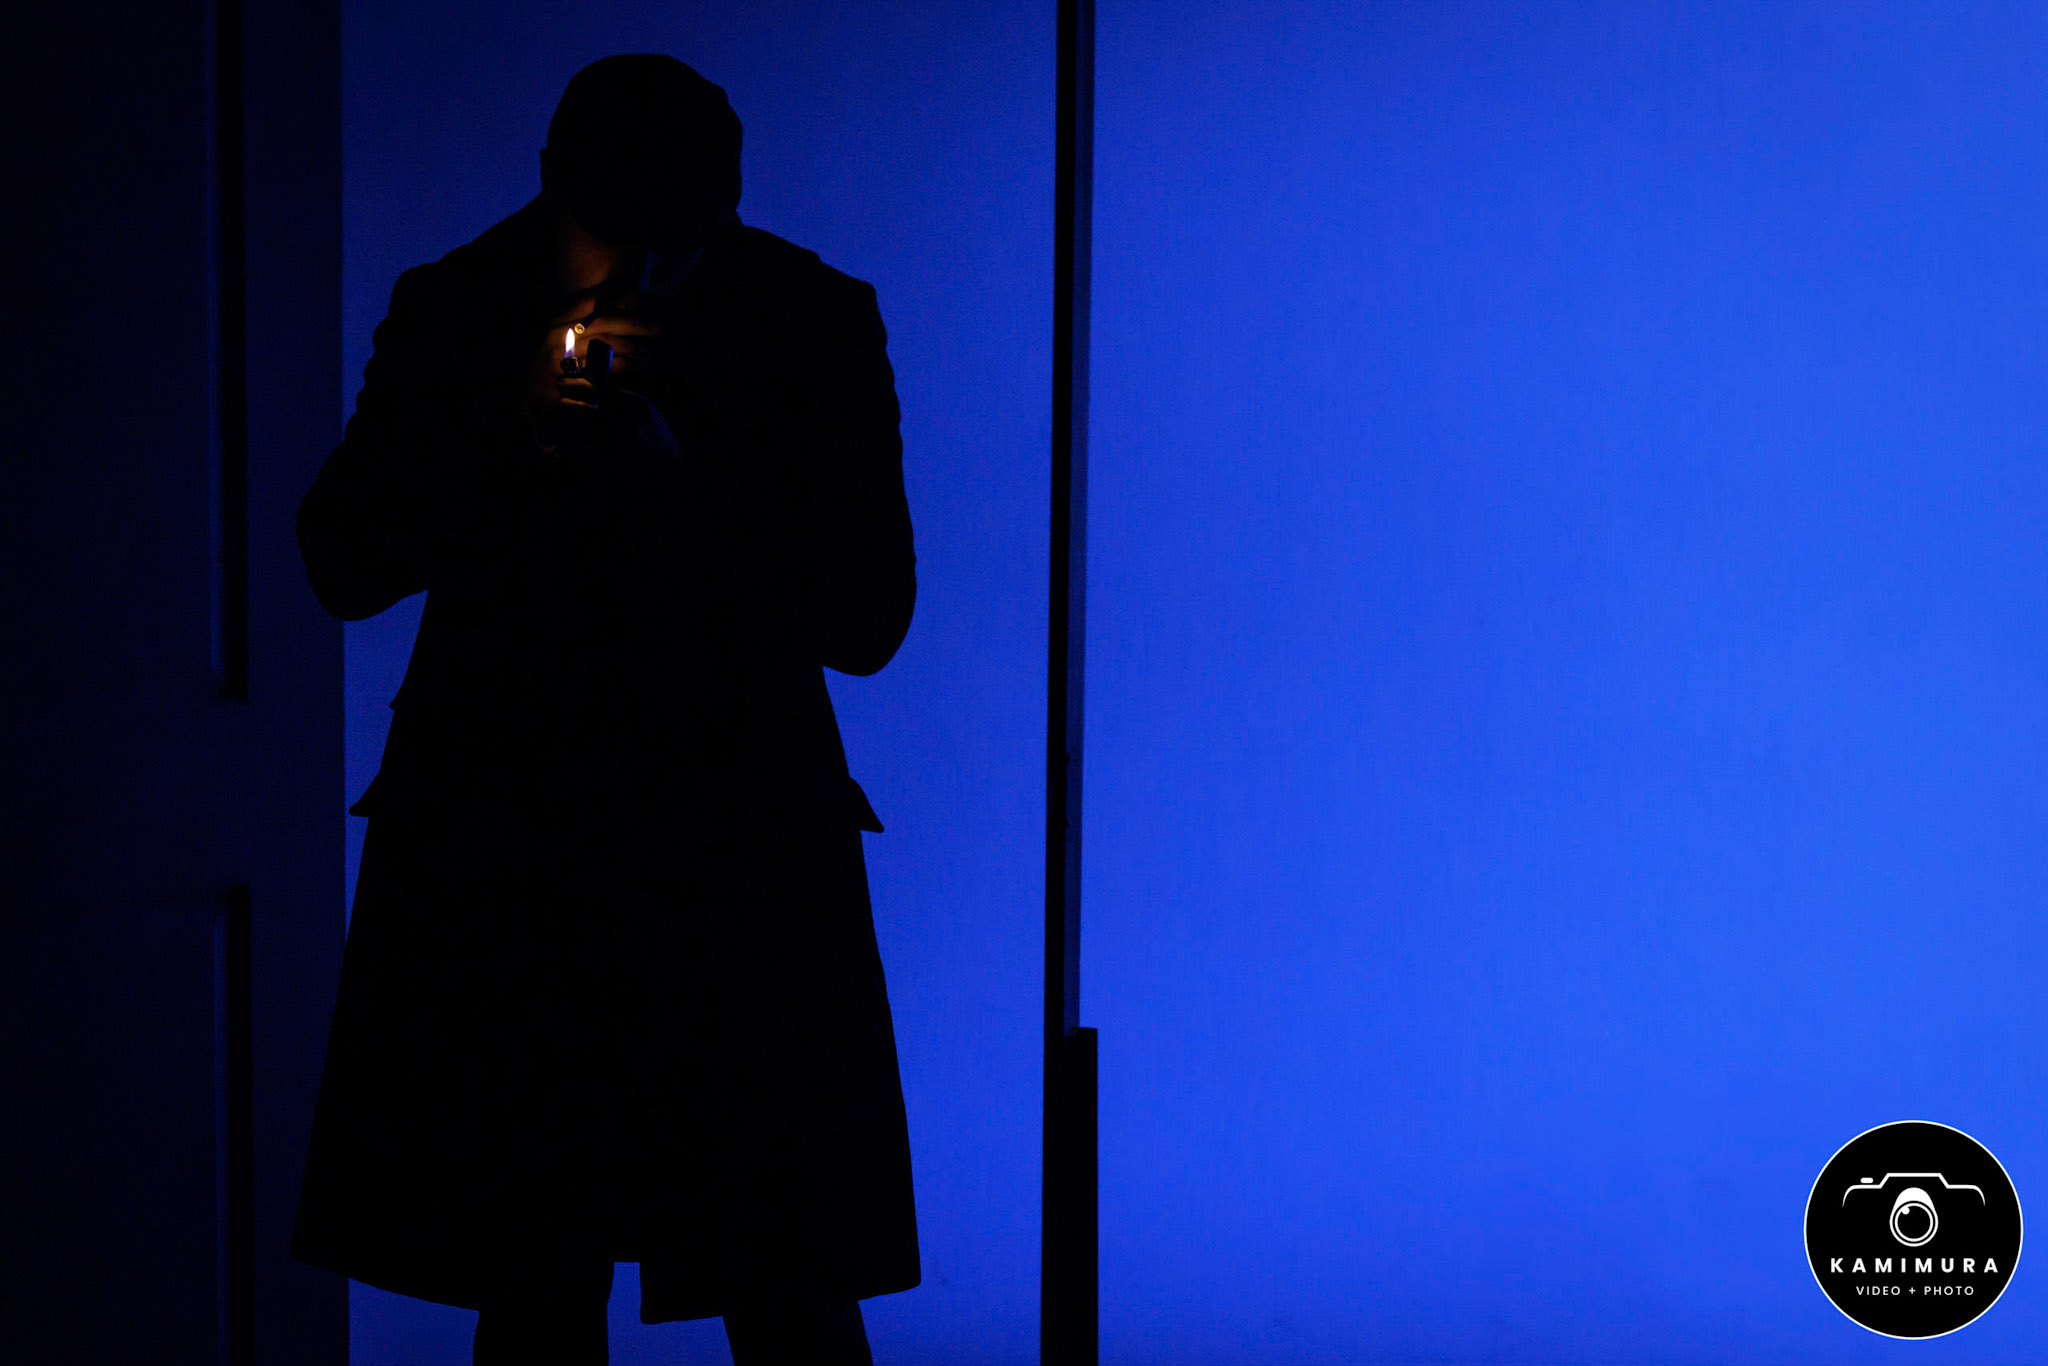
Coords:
pixel 910 145
pixel 1568 693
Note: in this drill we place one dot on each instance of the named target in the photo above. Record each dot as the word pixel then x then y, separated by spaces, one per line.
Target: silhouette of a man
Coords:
pixel 611 990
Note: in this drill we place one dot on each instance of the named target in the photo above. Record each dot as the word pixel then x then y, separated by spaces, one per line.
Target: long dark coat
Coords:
pixel 611 987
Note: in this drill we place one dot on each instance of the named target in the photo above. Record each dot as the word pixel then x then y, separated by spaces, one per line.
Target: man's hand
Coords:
pixel 546 386
pixel 620 406
pixel 642 356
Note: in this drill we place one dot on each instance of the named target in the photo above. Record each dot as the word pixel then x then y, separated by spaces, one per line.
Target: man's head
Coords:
pixel 643 151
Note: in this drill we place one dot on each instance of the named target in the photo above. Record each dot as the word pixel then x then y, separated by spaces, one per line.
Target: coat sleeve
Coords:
pixel 833 550
pixel 862 572
pixel 420 481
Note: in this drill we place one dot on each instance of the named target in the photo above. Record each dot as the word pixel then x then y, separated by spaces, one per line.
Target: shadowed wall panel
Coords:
pixel 171 738
pixel 111 1110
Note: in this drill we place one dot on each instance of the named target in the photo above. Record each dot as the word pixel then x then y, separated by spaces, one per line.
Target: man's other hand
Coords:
pixel 640 351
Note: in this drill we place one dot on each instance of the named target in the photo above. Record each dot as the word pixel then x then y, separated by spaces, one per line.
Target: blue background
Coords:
pixel 1566 664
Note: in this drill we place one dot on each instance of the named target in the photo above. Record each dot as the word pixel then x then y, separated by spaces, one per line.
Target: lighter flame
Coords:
pixel 569 344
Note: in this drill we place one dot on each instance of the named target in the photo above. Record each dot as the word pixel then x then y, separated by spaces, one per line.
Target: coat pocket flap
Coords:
pixel 367 804
pixel 861 809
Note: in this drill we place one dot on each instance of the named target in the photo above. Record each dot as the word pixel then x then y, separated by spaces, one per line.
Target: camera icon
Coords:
pixel 1914 1219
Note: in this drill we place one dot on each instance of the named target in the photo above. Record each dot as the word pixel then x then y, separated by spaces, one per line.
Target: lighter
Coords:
pixel 595 364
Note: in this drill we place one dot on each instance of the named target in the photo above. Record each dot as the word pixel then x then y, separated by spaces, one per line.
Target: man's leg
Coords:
pixel 554 1320
pixel 799 1333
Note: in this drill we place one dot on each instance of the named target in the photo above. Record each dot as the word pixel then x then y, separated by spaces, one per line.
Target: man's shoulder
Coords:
pixel 516 241
pixel 764 259
pixel 508 250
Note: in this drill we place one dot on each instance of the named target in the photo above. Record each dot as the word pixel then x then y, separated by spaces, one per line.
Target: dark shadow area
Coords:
pixel 170 721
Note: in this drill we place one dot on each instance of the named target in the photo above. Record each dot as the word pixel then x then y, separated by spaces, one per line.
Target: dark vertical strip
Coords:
pixel 1068 636
pixel 234 1132
pixel 1067 1271
pixel 1068 1331
pixel 210 47
pixel 227 333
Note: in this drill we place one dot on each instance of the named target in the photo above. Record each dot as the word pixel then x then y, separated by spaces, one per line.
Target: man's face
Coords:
pixel 654 206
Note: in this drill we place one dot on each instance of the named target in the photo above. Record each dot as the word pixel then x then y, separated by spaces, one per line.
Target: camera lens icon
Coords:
pixel 1913 1218
pixel 1913 1221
